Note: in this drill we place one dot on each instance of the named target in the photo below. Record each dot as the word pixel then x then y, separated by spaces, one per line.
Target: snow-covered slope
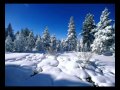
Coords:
pixel 62 69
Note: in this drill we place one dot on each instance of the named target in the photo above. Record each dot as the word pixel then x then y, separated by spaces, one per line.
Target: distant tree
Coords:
pixel 71 39
pixel 25 32
pixel 30 42
pixel 46 39
pixel 87 34
pixel 16 34
pixel 104 36
pixel 38 44
pixel 52 44
pixel 8 44
pixel 113 44
pixel 9 31
pixel 19 43
pixel 58 45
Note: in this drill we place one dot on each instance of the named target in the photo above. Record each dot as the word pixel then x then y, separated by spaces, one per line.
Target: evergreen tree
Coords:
pixel 53 44
pixel 38 44
pixel 58 45
pixel 9 31
pixel 104 35
pixel 71 39
pixel 19 43
pixel 87 34
pixel 25 32
pixel 8 44
pixel 113 44
pixel 46 39
pixel 16 34
pixel 30 42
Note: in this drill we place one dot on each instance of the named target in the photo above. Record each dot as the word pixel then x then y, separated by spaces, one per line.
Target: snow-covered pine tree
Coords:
pixel 46 39
pixel 52 44
pixel 30 42
pixel 8 44
pixel 9 31
pixel 19 43
pixel 113 44
pixel 87 34
pixel 58 45
pixel 25 32
pixel 38 44
pixel 62 45
pixel 71 39
pixel 16 34
pixel 104 35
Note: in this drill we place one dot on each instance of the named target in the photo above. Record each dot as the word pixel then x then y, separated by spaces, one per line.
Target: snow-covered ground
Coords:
pixel 62 69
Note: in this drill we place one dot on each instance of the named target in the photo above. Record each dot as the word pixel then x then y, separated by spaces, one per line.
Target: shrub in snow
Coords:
pixel 8 44
pixel 71 39
pixel 104 35
pixel 87 35
pixel 86 56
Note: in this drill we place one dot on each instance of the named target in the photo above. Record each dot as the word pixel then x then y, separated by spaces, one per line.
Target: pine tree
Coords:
pixel 58 45
pixel 19 43
pixel 38 44
pixel 104 35
pixel 30 42
pixel 8 44
pixel 9 31
pixel 87 34
pixel 71 39
pixel 113 44
pixel 53 44
pixel 25 32
pixel 62 45
pixel 46 39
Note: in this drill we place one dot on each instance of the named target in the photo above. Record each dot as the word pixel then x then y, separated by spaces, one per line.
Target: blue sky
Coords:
pixel 55 16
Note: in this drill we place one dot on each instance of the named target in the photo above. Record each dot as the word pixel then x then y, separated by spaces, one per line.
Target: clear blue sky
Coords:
pixel 55 16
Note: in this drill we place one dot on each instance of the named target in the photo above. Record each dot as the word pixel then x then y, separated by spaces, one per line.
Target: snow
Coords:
pixel 61 69
pixel 15 55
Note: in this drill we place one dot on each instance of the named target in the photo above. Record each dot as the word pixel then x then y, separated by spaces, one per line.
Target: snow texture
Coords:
pixel 63 69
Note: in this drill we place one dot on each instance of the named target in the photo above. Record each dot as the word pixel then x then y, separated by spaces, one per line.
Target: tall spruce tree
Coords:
pixel 46 39
pixel 30 42
pixel 19 43
pixel 104 35
pixel 71 39
pixel 38 44
pixel 87 34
